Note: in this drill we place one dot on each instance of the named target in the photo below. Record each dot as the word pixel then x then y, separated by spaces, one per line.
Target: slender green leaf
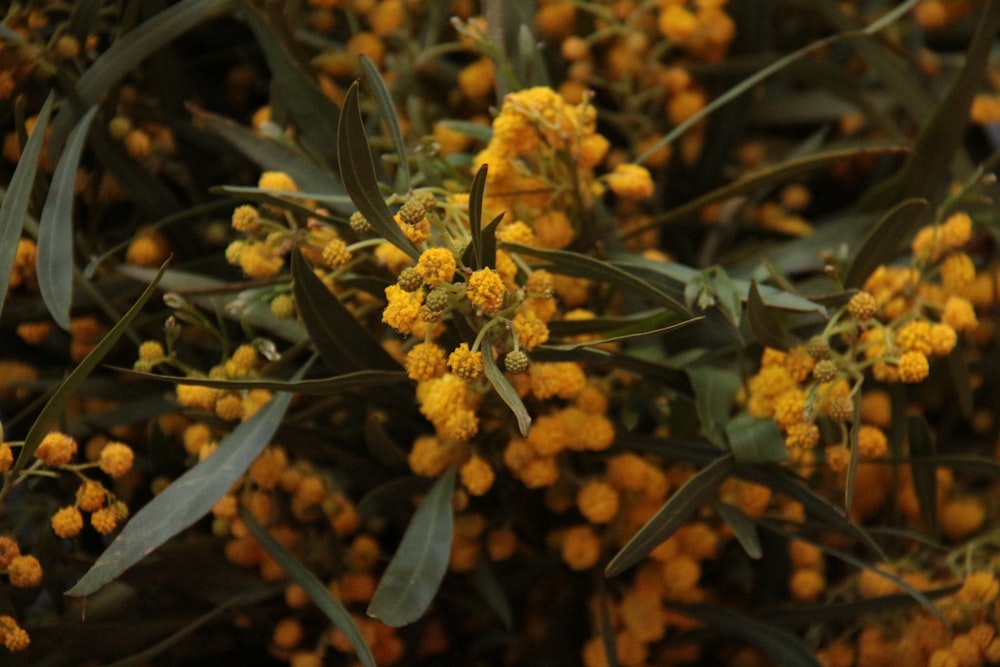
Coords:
pixel 54 407
pixel 714 389
pixel 755 440
pixel 293 90
pixel 634 333
pixel 743 527
pixel 124 56
pixel 331 607
pixel 765 325
pixel 189 498
pixel 679 507
pixel 961 382
pixel 726 293
pixel 383 448
pixel 489 241
pixel 54 260
pixel 488 585
pixel 357 169
pixel 15 202
pixel 923 451
pixel 415 572
pixel 271 156
pixel 825 612
pixel 342 342
pixel 505 390
pixel 761 178
pixel 479 131
pixel 388 110
pixel 883 242
pixel 476 194
pixel 785 648
pixel 582 266
pixel 316 387
pixel 926 172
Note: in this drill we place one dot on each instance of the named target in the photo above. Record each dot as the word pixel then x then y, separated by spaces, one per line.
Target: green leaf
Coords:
pixel 764 324
pixel 785 648
pixel 383 448
pixel 357 169
pixel 54 407
pixel 755 440
pixel 54 260
pixel 479 131
pixel 188 498
pixel 293 90
pixel 763 177
pixel 922 453
pixel 415 572
pixel 15 202
pixel 125 54
pixel 388 110
pixel 714 390
pixel 342 342
pixel 271 156
pixel 317 387
pixel 331 607
pixel 679 507
pixel 743 527
pixel 488 585
pixel 961 382
pixel 505 390
pixel 582 266
pixel 476 194
pixel 726 292
pixel 883 242
pixel 489 241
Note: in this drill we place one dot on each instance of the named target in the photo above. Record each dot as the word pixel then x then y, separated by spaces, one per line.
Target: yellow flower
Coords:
pixel 91 496
pixel 425 362
pixel 553 230
pixel 516 232
pixel 957 271
pixel 436 266
pixel 872 443
pixel 580 547
pixel 676 23
pixel 246 218
pixel 957 229
pixel 959 314
pixel 257 261
pixel 195 396
pixel 116 459
pixel 56 449
pixel 67 522
pixel 24 572
pixel 804 435
pixel 486 290
pixel 942 338
pixel 15 638
pixel 631 181
pixel 458 426
pixel 915 337
pixel 336 254
pixel 564 379
pixel 276 180
pixel 392 257
pixel 151 350
pixel 466 364
pixel 531 331
pixel 913 367
pixel 961 517
pixel 979 588
pixel 403 308
pixel 477 476
pixel 597 502
pixel 440 396
pixel 862 306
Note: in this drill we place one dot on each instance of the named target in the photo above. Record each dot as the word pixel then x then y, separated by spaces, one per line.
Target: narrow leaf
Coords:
pixel 785 648
pixel 269 155
pixel 489 241
pixel 582 266
pixel 743 527
pixel 478 131
pixel 316 387
pixel 54 407
pixel 922 453
pixel 342 342
pixel 388 111
pixel 505 390
pixel 15 202
pixel 357 169
pixel 714 390
pixel 382 447
pixel 54 261
pixel 764 324
pixel 961 382
pixel 189 498
pixel 754 440
pixel 124 56
pixel 314 588
pixel 488 585
pixel 416 570
pixel 883 242
pixel 476 194
pixel 679 507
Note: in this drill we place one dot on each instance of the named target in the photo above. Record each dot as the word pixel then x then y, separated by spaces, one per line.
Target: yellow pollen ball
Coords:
pixel 466 364
pixel 580 547
pixel 276 180
pixel 631 181
pixel 597 501
pixel 486 290
pixel 436 266
pixel 56 449
pixel 425 361
pixel 67 522
pixel 913 367
pixel 24 572
pixel 477 476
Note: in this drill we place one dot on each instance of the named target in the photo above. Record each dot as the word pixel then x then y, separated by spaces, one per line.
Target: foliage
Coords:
pixel 557 333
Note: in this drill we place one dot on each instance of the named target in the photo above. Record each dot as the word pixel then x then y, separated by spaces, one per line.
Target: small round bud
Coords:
pixel 841 409
pixel 412 212
pixel 360 224
pixel 409 279
pixel 818 348
pixel 436 301
pixel 862 306
pixel 825 371
pixel 516 362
